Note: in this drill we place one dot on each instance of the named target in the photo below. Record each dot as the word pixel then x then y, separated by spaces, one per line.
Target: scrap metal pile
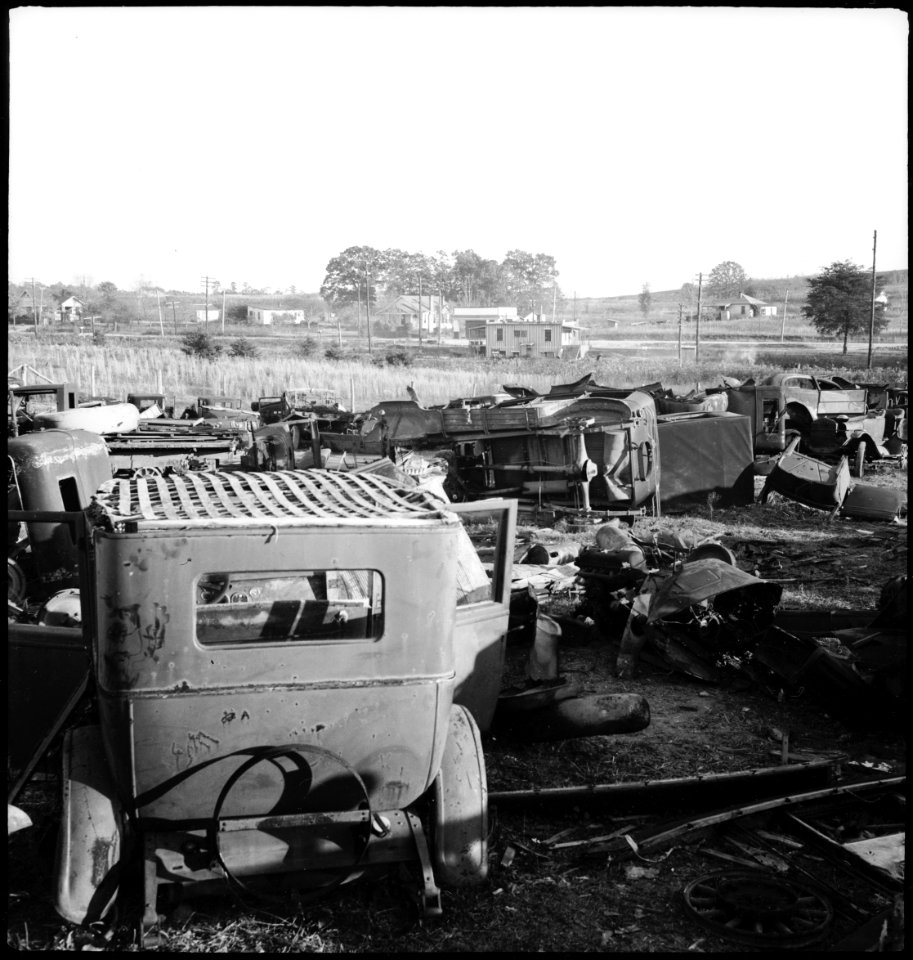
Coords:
pixel 683 604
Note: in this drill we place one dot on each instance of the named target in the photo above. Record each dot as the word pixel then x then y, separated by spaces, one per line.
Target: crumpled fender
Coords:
pixel 90 843
pixel 16 819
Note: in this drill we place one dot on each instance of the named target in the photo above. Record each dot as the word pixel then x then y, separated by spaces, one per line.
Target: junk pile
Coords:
pixel 828 486
pixel 806 854
pixel 682 603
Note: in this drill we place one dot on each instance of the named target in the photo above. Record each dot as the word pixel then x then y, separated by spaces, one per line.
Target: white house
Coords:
pixel 745 306
pixel 71 309
pixel 213 317
pixel 266 318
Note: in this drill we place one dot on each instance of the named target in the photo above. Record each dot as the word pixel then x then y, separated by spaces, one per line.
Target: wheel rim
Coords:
pixel 759 909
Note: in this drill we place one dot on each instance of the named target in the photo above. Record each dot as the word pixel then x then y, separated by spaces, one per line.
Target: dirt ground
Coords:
pixel 540 896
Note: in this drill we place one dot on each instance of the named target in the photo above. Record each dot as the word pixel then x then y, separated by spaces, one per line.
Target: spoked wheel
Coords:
pixel 460 806
pixel 759 909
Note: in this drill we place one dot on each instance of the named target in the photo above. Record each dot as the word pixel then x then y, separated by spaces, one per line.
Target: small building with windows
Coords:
pixel 745 306
pixel 265 318
pixel 534 336
pixel 410 312
pixel 71 309
pixel 469 322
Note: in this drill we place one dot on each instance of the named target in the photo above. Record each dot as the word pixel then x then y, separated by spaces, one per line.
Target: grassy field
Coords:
pixel 145 364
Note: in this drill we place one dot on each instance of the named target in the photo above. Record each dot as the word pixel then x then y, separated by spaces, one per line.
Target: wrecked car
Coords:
pixel 581 444
pixel 292 673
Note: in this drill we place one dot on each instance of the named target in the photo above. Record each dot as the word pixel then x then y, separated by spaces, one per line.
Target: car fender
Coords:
pixel 91 839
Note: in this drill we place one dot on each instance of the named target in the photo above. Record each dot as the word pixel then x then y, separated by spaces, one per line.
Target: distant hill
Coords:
pixel 597 312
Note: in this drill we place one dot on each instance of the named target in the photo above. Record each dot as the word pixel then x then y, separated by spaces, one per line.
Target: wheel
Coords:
pixel 213 588
pixel 759 909
pixel 860 460
pixel 460 806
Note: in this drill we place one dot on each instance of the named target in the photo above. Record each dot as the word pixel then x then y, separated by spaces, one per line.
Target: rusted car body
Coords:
pixel 594 447
pixel 26 401
pixel 292 673
pixel 809 481
pixel 786 402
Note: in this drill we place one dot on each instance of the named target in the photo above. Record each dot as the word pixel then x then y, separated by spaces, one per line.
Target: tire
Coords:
pixel 460 806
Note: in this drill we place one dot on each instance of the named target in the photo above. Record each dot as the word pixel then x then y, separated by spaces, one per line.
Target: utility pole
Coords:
pixel 420 311
pixel 440 313
pixel 368 305
pixel 697 326
pixel 783 321
pixel 223 310
pixel 158 303
pixel 872 322
pixel 680 334
pixel 358 317
pixel 206 281
pixel 31 280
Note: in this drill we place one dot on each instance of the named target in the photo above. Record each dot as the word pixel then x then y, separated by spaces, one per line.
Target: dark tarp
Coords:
pixel 704 453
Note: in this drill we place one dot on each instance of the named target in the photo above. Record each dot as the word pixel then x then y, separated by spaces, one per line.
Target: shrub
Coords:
pixel 243 348
pixel 394 358
pixel 200 345
pixel 307 347
pixel 334 352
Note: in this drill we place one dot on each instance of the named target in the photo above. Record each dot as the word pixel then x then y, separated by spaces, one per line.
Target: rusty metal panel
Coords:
pixel 186 746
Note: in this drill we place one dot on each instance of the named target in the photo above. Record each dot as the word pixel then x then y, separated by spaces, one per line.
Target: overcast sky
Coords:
pixel 635 145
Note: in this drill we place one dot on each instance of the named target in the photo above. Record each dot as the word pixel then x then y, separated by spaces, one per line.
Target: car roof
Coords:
pixel 286 498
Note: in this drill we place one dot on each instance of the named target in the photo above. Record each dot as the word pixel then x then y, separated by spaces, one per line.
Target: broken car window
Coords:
pixel 313 605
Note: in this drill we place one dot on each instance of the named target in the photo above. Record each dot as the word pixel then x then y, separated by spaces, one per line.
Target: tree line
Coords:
pixel 363 274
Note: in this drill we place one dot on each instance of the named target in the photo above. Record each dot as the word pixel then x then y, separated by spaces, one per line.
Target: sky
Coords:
pixel 634 145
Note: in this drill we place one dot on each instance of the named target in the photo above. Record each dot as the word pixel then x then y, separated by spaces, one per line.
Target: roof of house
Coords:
pixel 744 298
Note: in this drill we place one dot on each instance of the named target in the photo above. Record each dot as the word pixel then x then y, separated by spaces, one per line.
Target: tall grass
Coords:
pixel 138 365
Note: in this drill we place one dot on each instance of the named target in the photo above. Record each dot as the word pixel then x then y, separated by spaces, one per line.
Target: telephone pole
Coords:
pixel 420 311
pixel 697 326
pixel 872 321
pixel 31 280
pixel 783 321
pixel 368 305
pixel 206 282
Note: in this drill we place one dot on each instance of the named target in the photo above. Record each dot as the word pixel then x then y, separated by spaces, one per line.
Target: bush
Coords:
pixel 334 352
pixel 200 345
pixel 394 358
pixel 307 347
pixel 243 348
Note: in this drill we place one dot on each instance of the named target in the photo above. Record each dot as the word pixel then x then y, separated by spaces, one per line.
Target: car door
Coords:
pixel 483 608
